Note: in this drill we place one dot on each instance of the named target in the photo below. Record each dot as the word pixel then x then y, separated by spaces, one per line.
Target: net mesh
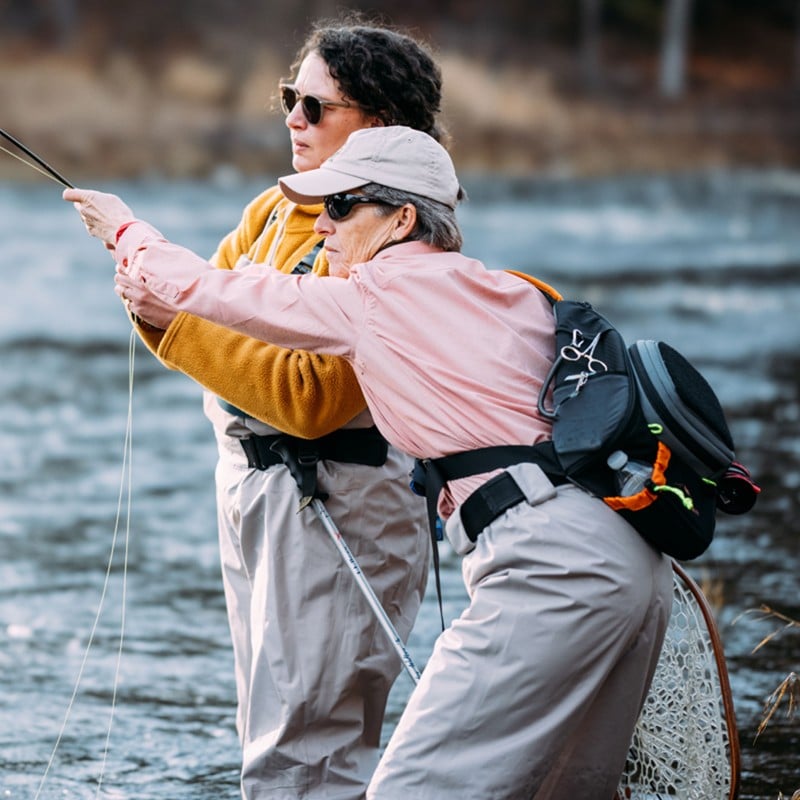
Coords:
pixel 681 745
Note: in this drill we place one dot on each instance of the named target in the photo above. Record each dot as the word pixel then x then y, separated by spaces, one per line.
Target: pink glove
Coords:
pixel 102 213
pixel 141 304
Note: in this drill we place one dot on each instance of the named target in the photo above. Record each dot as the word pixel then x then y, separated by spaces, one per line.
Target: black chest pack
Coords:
pixel 614 406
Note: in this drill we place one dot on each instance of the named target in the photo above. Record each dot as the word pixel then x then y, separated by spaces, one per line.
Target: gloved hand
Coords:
pixel 143 306
pixel 102 213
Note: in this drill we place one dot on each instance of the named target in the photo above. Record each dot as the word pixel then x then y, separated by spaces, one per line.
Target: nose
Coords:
pixel 295 118
pixel 324 224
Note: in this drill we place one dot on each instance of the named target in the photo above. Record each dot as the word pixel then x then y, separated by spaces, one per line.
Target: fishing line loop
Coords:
pixel 124 496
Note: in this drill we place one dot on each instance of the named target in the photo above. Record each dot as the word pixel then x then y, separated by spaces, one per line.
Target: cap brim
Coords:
pixel 311 187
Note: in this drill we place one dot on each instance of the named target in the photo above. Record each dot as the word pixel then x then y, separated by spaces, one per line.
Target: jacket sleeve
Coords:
pixel 300 393
pixel 297 392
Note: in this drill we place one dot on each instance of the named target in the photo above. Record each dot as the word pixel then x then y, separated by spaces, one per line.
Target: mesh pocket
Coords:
pixel 676 513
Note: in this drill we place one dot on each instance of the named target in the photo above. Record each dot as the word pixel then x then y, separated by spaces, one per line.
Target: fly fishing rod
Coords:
pixel 46 169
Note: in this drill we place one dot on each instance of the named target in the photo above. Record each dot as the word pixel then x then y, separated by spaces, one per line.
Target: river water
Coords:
pixel 708 262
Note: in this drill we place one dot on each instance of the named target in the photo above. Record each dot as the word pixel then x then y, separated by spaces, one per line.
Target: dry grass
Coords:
pixel 788 691
pixel 770 613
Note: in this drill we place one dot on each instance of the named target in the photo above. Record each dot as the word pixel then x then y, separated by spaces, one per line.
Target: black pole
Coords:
pixel 43 164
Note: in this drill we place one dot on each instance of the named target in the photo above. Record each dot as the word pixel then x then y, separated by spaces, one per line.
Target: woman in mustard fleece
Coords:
pixel 313 668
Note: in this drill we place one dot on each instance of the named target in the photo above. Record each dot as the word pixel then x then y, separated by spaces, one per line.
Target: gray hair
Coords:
pixel 436 222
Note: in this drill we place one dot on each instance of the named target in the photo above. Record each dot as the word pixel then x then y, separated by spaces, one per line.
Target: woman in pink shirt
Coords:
pixel 535 689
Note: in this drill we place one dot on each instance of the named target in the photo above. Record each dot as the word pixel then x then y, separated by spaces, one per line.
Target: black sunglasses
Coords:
pixel 312 106
pixel 338 206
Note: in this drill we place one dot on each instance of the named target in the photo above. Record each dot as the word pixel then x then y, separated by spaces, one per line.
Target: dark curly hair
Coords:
pixel 389 74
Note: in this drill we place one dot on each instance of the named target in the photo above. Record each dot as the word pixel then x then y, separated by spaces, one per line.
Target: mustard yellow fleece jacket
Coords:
pixel 299 393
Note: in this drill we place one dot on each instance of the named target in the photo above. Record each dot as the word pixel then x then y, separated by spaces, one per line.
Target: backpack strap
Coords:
pixel 431 474
pixel 545 288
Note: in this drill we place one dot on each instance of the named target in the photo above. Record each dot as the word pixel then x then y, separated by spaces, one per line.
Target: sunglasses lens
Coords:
pixel 339 206
pixel 288 98
pixel 312 109
pixel 312 106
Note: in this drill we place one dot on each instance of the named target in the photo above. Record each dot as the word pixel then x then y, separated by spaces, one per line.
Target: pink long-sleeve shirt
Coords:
pixel 450 355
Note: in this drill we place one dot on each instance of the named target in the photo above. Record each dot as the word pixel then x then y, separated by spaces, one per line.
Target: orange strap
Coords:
pixel 642 499
pixel 541 285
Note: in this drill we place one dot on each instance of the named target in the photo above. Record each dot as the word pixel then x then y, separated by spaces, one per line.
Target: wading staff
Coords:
pixel 299 471
pixel 363 583
pixel 48 170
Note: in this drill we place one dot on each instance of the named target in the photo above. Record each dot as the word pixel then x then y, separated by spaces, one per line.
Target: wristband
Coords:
pixel 122 229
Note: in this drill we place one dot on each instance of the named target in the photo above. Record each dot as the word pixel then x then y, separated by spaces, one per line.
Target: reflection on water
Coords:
pixel 708 263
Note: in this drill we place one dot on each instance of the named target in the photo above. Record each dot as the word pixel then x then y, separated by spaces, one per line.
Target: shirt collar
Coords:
pixel 406 249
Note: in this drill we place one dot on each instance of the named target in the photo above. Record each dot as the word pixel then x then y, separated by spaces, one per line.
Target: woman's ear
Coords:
pixel 404 222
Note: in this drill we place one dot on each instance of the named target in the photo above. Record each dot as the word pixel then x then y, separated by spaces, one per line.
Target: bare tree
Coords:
pixel 675 47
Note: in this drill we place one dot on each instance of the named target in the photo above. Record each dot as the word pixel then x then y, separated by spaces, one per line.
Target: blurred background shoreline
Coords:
pixel 588 88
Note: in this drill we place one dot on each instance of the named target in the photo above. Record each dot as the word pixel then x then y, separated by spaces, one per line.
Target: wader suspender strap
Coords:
pixel 303 266
pixel 306 263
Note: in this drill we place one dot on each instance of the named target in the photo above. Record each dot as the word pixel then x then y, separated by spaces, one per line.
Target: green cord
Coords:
pixel 685 499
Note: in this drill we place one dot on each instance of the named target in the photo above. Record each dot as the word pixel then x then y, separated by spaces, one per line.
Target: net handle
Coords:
pixel 722 671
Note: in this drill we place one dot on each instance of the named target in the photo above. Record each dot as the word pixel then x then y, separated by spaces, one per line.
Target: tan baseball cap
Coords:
pixel 394 156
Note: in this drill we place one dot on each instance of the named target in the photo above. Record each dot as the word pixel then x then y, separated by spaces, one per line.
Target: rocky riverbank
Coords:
pixel 191 115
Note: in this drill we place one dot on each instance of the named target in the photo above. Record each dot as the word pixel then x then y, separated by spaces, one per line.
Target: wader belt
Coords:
pixel 488 501
pixel 347 445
